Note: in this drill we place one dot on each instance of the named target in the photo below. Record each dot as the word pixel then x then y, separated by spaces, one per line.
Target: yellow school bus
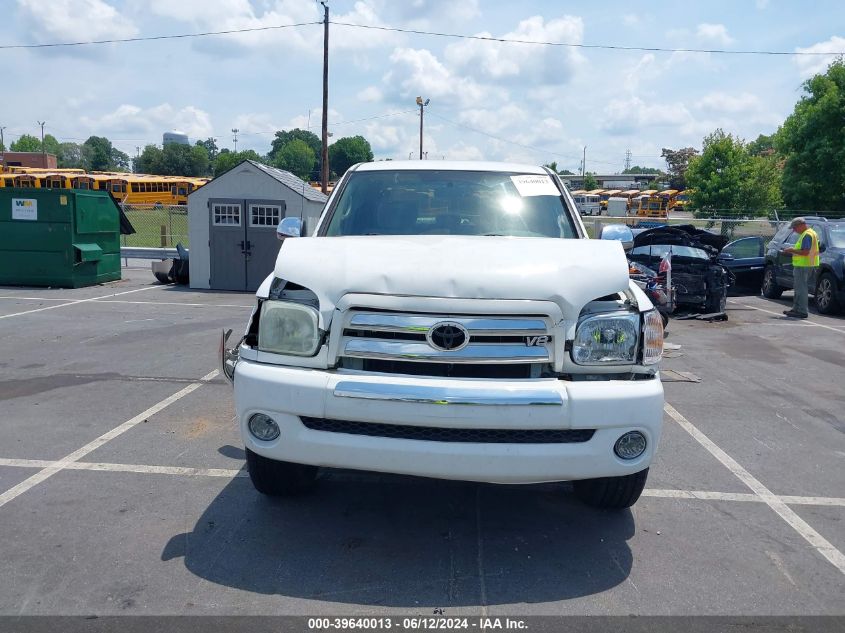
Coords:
pixel 653 206
pixel 682 200
pixel 670 195
pixel 606 195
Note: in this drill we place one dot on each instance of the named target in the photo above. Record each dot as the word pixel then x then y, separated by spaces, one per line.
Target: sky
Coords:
pixel 488 100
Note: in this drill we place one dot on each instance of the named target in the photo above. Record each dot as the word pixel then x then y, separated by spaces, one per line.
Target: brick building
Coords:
pixel 28 159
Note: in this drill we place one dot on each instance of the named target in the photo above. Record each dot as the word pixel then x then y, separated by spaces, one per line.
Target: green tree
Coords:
pixel 297 158
pixel 590 182
pixel 69 155
pixel 26 143
pixel 211 148
pixel 566 172
pixel 762 146
pixel 347 151
pixel 174 159
pixel 636 169
pixel 51 145
pixel 226 160
pixel 97 154
pixel 678 161
pixel 813 141
pixel 729 181
pixel 119 160
pixel 313 141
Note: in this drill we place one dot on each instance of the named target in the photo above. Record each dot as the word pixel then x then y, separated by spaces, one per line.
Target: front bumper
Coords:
pixel 611 407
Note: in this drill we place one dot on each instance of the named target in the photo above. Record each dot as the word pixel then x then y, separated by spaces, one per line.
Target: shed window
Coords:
pixel 226 214
pixel 264 214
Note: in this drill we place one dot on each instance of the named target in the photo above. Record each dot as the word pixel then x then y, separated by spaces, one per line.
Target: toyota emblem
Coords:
pixel 447 336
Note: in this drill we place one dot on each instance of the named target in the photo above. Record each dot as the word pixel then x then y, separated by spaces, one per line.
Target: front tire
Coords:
pixel 826 301
pixel 279 479
pixel 612 493
pixel 771 289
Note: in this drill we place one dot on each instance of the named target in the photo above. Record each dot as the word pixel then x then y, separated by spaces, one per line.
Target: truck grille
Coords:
pixel 440 434
pixel 487 346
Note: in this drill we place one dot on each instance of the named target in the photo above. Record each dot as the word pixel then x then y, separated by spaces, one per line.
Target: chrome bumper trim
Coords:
pixel 422 352
pixel 416 324
pixel 526 396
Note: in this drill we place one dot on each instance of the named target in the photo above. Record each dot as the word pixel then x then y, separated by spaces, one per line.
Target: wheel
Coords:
pixel 612 492
pixel 826 300
pixel 279 479
pixel 665 318
pixel 770 288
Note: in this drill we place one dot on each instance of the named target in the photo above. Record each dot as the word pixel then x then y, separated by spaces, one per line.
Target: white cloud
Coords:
pixel 625 116
pixel 463 151
pixel 732 103
pixel 631 19
pixel 809 65
pixel 716 33
pixel 73 20
pixel 224 15
pixel 129 119
pixel 418 72
pixel 523 63
pixel 425 13
pixel 370 94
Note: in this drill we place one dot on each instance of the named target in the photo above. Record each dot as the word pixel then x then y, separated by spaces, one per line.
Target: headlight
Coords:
pixel 652 337
pixel 288 328
pixel 607 338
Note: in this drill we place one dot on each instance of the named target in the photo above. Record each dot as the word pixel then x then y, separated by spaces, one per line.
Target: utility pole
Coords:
pixel 422 105
pixel 2 141
pixel 43 151
pixel 235 138
pixel 627 160
pixel 584 163
pixel 324 151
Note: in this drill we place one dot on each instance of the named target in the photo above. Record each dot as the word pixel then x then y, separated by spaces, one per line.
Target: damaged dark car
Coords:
pixel 700 282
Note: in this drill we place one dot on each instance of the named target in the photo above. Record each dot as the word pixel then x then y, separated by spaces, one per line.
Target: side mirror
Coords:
pixel 822 248
pixel 289 227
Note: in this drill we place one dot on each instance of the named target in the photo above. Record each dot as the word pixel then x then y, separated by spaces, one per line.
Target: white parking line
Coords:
pixel 78 301
pixel 821 544
pixel 127 468
pixel 78 454
pixel 152 303
pixel 657 493
pixel 780 314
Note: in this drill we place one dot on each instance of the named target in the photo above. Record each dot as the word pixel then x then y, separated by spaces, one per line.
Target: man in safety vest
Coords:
pixel 805 257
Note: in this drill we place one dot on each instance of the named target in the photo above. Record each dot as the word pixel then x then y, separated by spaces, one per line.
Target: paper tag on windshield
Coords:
pixel 535 185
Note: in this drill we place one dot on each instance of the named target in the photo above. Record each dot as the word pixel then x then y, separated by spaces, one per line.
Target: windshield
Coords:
pixel 659 250
pixel 450 202
pixel 837 235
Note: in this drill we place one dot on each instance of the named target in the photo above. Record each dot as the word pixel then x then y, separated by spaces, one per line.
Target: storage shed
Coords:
pixel 232 224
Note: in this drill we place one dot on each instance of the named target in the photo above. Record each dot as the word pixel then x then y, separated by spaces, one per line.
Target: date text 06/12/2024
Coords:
pixel 426 623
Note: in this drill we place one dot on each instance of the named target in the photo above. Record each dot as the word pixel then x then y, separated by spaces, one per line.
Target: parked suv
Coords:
pixel 827 282
pixel 451 320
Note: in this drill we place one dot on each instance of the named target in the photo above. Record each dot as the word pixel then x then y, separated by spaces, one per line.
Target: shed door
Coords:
pixel 262 218
pixel 227 244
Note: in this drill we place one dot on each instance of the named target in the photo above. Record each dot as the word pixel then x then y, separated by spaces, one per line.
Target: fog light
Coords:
pixel 263 427
pixel 630 446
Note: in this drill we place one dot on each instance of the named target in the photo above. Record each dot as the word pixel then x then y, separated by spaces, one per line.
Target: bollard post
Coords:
pixel 163 236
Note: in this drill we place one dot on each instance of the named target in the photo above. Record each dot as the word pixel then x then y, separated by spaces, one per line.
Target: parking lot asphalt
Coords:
pixel 123 489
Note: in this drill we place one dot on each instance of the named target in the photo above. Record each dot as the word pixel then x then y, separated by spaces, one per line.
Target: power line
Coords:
pixel 158 37
pixel 650 49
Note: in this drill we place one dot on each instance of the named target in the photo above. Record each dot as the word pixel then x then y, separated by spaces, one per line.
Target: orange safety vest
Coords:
pixel 812 258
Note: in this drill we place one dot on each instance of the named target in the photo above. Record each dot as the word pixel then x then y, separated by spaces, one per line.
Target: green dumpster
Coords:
pixel 61 238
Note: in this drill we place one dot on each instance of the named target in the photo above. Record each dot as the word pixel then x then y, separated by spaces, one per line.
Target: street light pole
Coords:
pixel 43 151
pixel 422 105
pixel 235 138
pixel 324 152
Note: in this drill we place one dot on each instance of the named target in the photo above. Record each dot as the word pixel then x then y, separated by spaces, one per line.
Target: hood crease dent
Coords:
pixel 569 272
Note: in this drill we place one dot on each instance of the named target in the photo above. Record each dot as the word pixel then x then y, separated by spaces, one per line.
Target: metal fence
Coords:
pixel 160 226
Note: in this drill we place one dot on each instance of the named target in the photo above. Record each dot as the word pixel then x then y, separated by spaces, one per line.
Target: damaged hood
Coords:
pixel 682 235
pixel 569 272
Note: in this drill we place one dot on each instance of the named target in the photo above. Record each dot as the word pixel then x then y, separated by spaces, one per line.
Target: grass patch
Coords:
pixel 148 223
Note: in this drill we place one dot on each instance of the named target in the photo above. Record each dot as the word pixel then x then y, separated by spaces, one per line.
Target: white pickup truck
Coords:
pixel 450 320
